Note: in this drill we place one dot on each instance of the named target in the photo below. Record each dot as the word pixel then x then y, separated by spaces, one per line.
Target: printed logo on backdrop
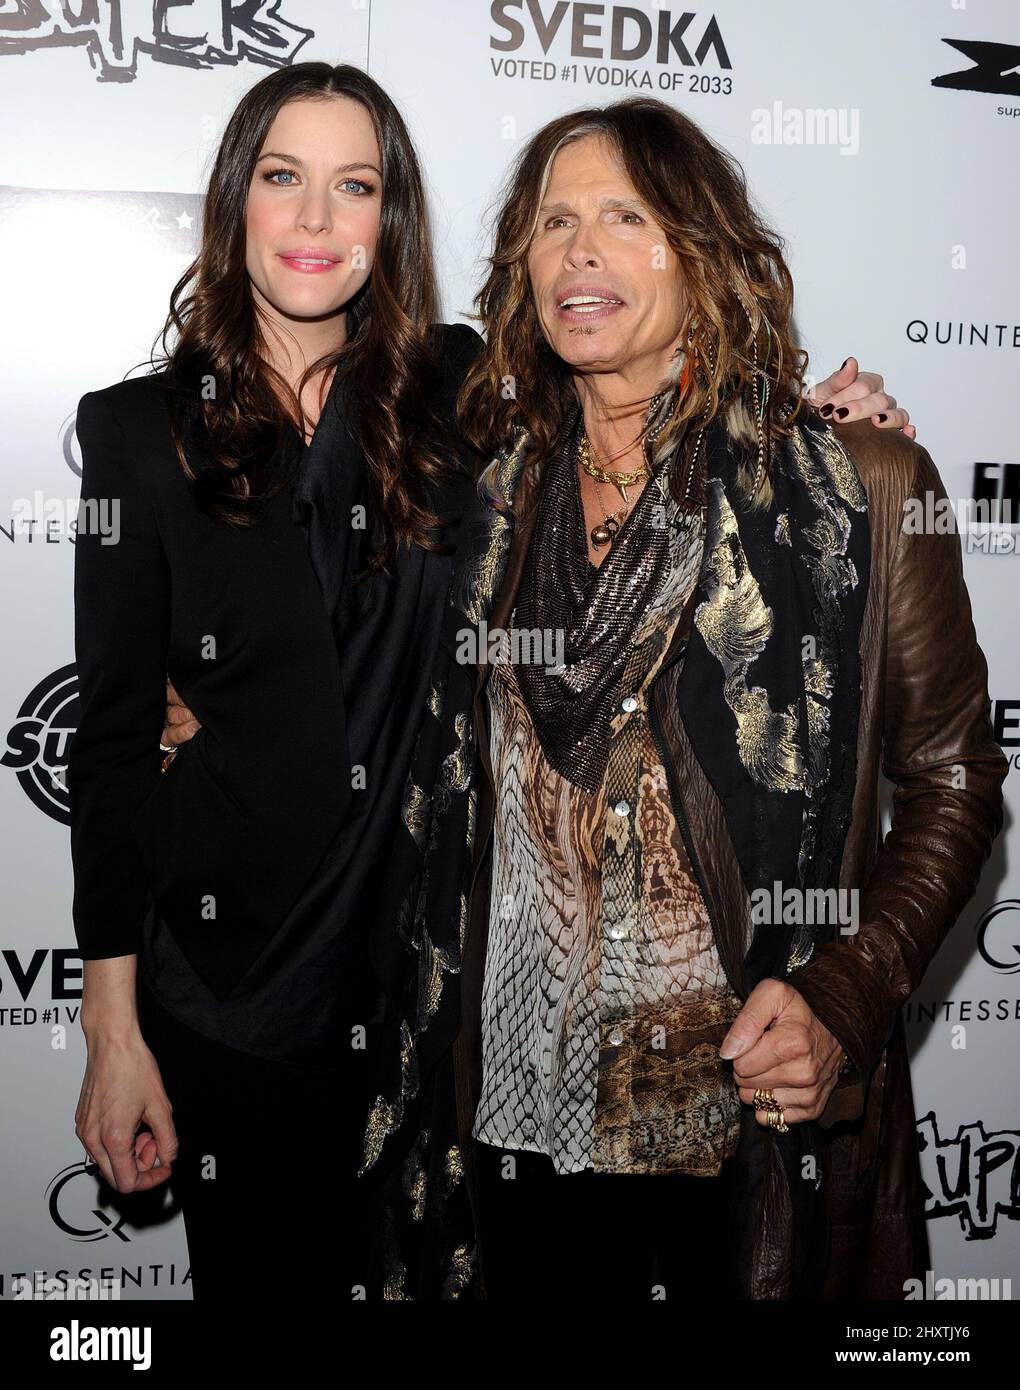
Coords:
pixel 612 46
pixel 84 1217
pixel 997 485
pixel 157 223
pixel 990 523
pixel 72 1207
pixel 995 68
pixel 41 990
pixel 186 33
pixel 924 1014
pixel 963 333
pixel 45 518
pixel 38 742
pixel 987 521
pixel 81 1208
pixel 976 1176
pixel 52 973
pixel 998 936
pixel 1006 729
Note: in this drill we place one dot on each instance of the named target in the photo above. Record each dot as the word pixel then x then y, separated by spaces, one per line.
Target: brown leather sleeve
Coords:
pixel 940 754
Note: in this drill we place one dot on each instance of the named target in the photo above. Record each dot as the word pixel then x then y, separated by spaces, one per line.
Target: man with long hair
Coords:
pixel 654 1015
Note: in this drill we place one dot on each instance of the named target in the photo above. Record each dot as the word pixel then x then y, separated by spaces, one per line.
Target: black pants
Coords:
pixel 266 1168
pixel 598 1237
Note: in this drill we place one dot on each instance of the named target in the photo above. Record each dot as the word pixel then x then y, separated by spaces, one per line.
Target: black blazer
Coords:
pixel 224 840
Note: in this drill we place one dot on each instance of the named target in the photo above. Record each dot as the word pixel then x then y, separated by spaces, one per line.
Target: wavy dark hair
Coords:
pixel 739 292
pixel 388 363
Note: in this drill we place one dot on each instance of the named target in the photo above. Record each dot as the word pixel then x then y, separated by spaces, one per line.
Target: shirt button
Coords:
pixel 616 1036
pixel 629 703
pixel 622 808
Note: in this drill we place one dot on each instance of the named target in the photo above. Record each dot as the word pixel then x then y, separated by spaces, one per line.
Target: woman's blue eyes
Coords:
pixel 270 177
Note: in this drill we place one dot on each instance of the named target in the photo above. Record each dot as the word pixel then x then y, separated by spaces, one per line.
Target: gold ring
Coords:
pixel 763 1100
pixel 776 1120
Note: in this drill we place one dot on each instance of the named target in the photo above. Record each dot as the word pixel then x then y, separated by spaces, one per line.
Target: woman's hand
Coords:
pixel 797 1058
pixel 122 1089
pixel 851 395
pixel 180 724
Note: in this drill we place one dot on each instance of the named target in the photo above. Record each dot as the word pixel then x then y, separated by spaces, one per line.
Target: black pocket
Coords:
pixel 192 827
pixel 210 753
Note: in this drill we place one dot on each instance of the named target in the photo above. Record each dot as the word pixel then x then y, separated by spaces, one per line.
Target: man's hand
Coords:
pixel 851 395
pixel 180 723
pixel 778 1045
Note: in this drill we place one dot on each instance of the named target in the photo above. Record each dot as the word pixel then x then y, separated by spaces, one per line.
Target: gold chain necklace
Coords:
pixel 607 532
pixel 608 475
pixel 612 521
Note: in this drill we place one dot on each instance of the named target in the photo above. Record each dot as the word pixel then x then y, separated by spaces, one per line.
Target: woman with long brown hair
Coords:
pixel 286 482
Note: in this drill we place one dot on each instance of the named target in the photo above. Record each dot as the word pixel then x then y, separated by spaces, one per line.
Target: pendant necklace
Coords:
pixel 608 530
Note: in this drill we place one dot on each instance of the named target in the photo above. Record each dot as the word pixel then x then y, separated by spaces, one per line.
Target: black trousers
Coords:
pixel 594 1237
pixel 266 1169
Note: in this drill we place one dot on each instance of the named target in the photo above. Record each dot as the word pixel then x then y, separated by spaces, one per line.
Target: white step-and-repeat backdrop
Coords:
pixel 882 140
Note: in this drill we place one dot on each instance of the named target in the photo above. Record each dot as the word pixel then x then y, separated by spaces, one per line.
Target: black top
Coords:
pixel 310 983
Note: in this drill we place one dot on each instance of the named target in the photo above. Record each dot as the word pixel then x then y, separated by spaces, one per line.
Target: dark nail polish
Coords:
pixel 842 412
pixel 844 364
pixel 882 419
pixel 826 410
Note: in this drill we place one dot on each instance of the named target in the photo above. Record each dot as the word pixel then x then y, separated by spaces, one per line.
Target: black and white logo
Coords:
pixel 998 936
pixel 976 1176
pixel 39 741
pixel 995 68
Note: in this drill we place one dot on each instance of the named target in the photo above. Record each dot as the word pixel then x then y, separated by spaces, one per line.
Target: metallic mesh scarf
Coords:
pixel 596 609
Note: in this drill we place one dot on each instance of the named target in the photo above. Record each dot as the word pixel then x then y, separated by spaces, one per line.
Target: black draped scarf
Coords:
pixel 770 698
pixel 597 609
pixel 385 627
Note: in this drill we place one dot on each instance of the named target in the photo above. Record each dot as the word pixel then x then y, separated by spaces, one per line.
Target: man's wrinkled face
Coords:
pixel 606 284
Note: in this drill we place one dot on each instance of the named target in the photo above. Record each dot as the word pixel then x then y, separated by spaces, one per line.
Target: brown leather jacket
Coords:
pixel 924 722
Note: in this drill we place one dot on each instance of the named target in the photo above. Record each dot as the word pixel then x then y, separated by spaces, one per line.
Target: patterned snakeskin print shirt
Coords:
pixel 604 1000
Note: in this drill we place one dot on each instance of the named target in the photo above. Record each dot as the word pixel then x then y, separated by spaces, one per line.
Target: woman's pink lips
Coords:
pixel 306 268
